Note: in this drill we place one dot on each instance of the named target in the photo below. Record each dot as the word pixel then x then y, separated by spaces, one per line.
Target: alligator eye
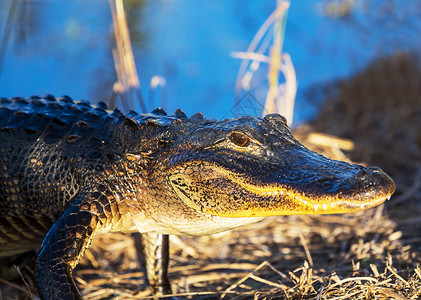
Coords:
pixel 240 139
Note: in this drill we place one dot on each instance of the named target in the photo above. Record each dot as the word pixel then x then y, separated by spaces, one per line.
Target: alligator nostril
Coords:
pixel 362 173
pixel 375 170
pixel 378 175
pixel 373 176
pixel 369 172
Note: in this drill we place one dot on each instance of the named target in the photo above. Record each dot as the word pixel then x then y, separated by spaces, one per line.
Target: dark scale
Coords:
pixel 69 170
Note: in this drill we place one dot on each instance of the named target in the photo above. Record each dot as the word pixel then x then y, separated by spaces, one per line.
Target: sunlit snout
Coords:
pixel 221 192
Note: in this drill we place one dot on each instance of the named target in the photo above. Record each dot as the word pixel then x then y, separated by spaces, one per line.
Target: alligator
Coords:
pixel 70 170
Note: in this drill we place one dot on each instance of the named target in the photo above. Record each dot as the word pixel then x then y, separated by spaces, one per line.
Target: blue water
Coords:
pixel 64 47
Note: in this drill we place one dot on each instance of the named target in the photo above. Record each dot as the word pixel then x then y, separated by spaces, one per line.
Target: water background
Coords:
pixel 64 47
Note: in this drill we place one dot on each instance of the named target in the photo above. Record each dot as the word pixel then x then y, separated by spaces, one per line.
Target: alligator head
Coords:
pixel 254 167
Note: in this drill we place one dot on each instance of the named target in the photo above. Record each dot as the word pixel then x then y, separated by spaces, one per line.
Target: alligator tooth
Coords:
pixel 275 193
pixel 362 206
pixel 282 192
pixel 316 206
pixel 305 202
pixel 332 204
pixel 388 198
pixel 324 206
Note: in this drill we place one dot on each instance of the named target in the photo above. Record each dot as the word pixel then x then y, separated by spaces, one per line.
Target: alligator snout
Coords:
pixel 370 172
pixel 373 180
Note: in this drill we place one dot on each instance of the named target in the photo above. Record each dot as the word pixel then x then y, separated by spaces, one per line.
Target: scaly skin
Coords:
pixel 70 170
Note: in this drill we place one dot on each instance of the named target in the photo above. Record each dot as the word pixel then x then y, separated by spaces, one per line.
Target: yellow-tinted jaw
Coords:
pixel 216 191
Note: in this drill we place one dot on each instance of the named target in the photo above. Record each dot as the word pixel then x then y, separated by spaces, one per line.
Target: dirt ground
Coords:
pixel 369 255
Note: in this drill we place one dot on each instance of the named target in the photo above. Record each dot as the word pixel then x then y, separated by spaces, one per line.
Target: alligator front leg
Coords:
pixel 156 255
pixel 64 245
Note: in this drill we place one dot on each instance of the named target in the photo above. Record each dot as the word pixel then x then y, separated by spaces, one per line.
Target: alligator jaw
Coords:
pixel 222 193
pixel 284 201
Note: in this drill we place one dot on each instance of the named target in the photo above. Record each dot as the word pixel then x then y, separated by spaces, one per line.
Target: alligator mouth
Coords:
pixel 220 192
pixel 320 204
